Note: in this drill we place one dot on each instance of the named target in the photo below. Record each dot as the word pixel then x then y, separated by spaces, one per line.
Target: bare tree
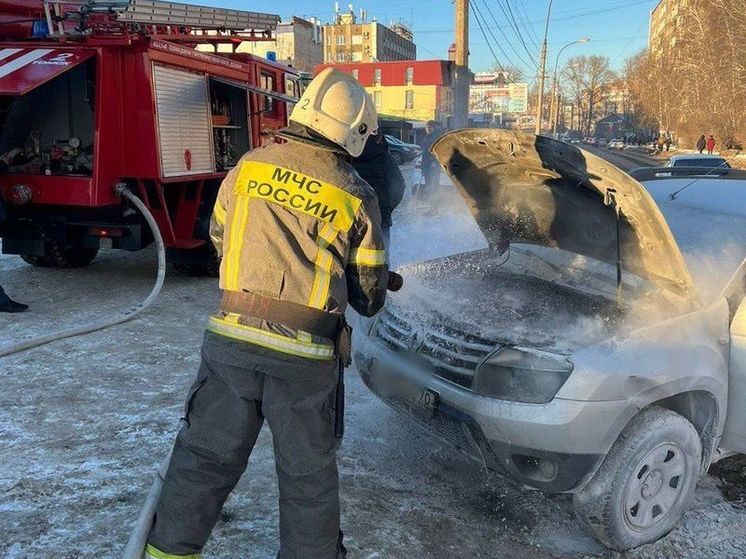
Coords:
pixel 696 84
pixel 514 73
pixel 586 78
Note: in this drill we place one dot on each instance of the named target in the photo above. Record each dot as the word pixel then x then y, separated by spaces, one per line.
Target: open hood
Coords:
pixel 523 188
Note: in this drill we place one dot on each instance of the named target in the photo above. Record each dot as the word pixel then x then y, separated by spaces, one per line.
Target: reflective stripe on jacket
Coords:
pixel 295 222
pixel 152 552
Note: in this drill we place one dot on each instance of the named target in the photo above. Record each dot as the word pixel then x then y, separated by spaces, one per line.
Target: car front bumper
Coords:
pixel 555 447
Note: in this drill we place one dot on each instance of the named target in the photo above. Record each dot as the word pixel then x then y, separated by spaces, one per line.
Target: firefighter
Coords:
pixel 299 235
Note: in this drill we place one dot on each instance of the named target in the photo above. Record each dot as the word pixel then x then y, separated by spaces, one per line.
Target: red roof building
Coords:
pixel 416 90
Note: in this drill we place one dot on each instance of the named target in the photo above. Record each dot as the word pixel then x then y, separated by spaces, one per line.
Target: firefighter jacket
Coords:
pixel 295 222
pixel 379 169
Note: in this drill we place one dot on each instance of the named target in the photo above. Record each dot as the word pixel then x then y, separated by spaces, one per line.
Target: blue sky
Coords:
pixel 617 28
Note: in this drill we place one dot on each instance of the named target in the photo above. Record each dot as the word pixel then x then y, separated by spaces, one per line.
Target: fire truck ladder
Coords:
pixel 157 13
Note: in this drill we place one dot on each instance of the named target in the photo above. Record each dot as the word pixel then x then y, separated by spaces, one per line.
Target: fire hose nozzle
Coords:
pixel 396 282
pixel 120 188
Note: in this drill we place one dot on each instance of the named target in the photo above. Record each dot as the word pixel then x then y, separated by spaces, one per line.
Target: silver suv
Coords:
pixel 575 354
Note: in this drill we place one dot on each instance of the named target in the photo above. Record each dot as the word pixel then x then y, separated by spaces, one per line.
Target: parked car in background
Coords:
pixel 402 152
pixel 602 142
pixel 575 141
pixel 697 160
pixel 616 143
pixel 576 354
pixel 417 177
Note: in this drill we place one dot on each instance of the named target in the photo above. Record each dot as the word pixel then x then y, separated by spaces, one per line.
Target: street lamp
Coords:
pixel 555 85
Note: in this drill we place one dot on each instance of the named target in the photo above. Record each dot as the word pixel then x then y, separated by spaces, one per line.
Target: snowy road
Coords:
pixel 626 159
pixel 83 423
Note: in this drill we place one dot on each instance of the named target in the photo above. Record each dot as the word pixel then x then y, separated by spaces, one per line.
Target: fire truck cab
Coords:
pixel 124 97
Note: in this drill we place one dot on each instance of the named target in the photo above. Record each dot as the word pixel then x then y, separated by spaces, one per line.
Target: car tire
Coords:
pixel 209 266
pixel 645 482
pixel 58 256
pixel 398 157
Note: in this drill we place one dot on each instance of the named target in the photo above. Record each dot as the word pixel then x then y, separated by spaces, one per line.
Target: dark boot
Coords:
pixel 9 305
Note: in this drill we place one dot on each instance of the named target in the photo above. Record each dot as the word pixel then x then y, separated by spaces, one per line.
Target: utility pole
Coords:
pixel 461 76
pixel 542 71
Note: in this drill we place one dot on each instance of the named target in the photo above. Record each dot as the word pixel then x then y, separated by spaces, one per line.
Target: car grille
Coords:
pixel 443 427
pixel 451 353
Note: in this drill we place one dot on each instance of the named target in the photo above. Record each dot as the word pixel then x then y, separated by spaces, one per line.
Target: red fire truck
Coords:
pixel 97 93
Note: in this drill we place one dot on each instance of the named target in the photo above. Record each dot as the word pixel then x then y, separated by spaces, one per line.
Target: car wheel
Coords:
pixel 645 482
pixel 398 157
pixel 59 256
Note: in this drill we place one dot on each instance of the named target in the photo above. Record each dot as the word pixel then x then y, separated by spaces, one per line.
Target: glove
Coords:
pixel 396 282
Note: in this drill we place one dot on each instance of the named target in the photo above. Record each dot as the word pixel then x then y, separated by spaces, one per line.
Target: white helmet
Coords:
pixel 337 107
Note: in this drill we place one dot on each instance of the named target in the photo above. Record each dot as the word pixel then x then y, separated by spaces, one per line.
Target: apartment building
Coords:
pixel 347 40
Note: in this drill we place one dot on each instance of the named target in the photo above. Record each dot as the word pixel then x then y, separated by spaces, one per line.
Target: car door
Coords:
pixel 734 436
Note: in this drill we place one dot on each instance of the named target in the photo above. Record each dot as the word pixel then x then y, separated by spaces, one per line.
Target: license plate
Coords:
pixel 397 387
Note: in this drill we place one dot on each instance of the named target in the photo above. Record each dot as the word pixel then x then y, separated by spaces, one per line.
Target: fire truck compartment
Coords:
pixel 230 122
pixel 202 122
pixel 50 129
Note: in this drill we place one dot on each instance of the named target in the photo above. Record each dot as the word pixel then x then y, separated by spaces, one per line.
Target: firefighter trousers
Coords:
pixel 238 386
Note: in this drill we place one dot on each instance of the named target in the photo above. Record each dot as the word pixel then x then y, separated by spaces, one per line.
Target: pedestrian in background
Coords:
pixel 6 303
pixel 430 166
pixel 701 144
pixel 377 167
pixel 710 144
pixel 661 143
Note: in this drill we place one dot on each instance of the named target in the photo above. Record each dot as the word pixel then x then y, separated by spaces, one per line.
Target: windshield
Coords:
pixel 709 162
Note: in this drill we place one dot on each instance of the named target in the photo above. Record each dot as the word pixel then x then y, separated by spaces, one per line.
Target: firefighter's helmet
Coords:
pixel 337 107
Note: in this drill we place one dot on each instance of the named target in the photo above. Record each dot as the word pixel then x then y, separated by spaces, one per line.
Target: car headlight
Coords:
pixel 524 375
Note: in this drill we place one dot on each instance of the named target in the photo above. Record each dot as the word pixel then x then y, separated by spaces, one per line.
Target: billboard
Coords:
pixel 495 99
pixel 488 98
pixel 518 93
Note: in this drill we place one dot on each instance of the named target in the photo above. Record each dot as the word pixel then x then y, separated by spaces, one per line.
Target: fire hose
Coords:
pixel 122 191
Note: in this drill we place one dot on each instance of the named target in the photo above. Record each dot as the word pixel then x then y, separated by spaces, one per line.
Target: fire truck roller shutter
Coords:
pixel 184 129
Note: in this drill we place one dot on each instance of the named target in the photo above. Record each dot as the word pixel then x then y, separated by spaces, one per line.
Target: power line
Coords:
pixel 507 40
pixel 498 43
pixel 570 14
pixel 612 6
pixel 523 15
pixel 632 40
pixel 479 23
pixel 517 30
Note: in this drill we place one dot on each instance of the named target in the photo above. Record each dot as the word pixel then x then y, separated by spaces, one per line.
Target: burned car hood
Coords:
pixel 522 188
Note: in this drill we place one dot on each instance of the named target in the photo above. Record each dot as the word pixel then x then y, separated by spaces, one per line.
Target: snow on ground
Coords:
pixel 84 422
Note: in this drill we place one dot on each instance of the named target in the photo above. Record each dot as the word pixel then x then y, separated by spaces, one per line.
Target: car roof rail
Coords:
pixel 643 174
